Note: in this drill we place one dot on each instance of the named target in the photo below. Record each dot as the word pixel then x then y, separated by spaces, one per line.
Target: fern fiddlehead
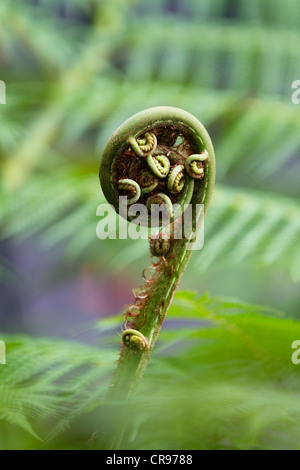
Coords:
pixel 160 244
pixel 131 188
pixel 169 156
pixel 194 165
pixel 134 340
pixel 176 180
pixel 159 164
pixel 147 181
pixel 143 145
pixel 160 199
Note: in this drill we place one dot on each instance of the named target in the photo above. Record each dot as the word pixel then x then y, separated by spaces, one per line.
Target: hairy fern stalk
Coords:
pixel 232 64
pixel 184 146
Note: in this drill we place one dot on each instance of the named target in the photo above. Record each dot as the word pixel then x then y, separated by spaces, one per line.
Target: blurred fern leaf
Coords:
pixel 232 360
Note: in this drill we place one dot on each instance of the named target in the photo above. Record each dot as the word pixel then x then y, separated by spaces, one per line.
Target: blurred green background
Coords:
pixel 74 71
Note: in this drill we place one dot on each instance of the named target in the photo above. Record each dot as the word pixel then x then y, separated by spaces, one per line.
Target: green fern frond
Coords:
pixel 256 12
pixel 237 384
pixel 243 226
pixel 50 378
pixel 258 140
pixel 250 226
pixel 225 59
pixel 22 25
pixel 191 72
pixel 232 360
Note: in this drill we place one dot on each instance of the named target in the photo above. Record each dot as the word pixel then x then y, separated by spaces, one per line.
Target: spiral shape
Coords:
pixel 160 199
pixel 134 340
pixel 159 164
pixel 176 180
pixel 160 244
pixel 155 154
pixel 179 135
pixel 148 182
pixel 194 165
pixel 131 188
pixel 145 145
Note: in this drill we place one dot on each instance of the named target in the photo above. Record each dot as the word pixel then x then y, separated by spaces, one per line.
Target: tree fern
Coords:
pixel 74 71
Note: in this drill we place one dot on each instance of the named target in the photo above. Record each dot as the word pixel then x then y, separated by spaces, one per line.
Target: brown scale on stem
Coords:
pixel 133 311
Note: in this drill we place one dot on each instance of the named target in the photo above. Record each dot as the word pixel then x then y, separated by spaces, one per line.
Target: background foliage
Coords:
pixel 74 71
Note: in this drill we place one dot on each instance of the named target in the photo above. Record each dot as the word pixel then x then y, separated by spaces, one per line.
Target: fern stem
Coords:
pixel 162 285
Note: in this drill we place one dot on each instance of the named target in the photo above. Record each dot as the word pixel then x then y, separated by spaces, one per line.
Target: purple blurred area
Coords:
pixel 42 294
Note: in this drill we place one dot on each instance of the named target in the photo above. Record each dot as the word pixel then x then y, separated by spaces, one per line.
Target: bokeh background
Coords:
pixel 74 71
